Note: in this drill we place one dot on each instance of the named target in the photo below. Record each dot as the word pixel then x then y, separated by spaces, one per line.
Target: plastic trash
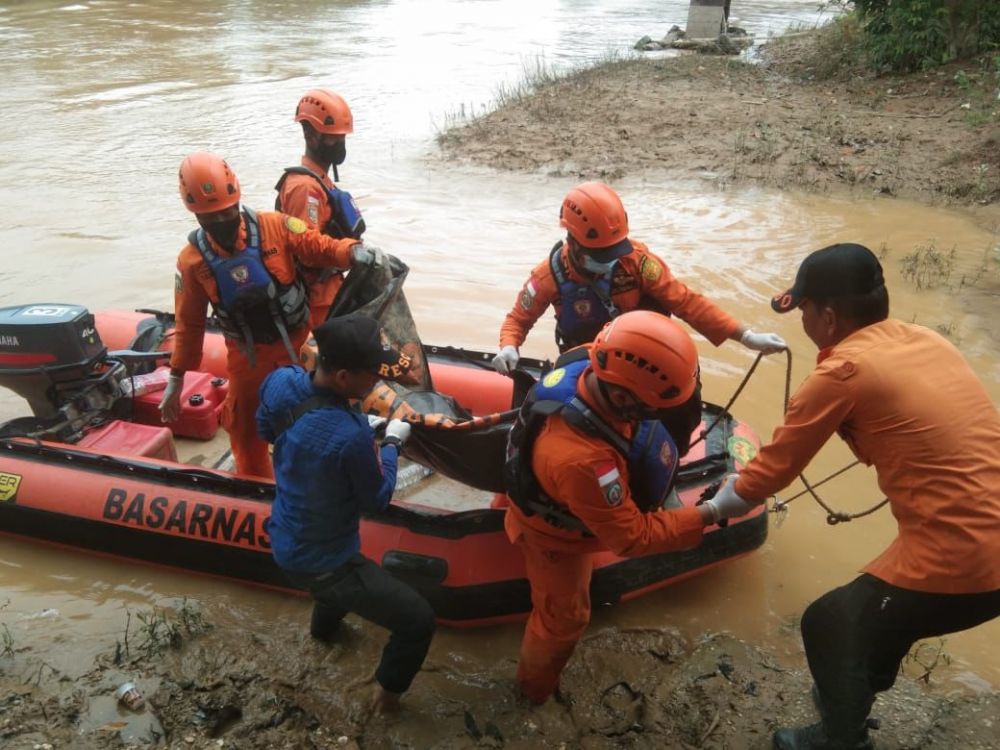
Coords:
pixel 129 696
pixel 146 383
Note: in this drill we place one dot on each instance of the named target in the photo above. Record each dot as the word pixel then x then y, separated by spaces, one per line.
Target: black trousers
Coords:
pixel 362 587
pixel 857 635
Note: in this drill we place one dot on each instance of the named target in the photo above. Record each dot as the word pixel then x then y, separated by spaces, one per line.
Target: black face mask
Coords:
pixel 225 232
pixel 333 153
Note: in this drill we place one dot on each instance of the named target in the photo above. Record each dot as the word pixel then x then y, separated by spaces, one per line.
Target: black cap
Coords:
pixel 840 270
pixel 356 342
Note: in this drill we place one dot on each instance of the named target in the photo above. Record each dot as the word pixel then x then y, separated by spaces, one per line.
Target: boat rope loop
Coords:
pixel 833 517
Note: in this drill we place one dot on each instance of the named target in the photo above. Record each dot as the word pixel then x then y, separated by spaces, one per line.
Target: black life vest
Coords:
pixel 345 216
pixel 651 455
pixel 253 308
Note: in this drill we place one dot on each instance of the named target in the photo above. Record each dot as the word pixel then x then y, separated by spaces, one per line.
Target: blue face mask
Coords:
pixel 598 269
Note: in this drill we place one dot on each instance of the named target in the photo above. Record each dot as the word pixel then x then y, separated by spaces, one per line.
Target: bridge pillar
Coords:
pixel 706 18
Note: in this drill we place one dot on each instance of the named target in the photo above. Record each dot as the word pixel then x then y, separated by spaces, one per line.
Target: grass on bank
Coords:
pixel 159 630
pixel 536 75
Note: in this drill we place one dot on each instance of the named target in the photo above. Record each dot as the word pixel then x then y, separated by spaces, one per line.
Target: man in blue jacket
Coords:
pixel 328 470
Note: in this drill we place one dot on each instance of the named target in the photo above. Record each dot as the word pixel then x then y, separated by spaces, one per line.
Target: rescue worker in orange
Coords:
pixel 589 469
pixel 596 273
pixel 907 402
pixel 306 190
pixel 243 264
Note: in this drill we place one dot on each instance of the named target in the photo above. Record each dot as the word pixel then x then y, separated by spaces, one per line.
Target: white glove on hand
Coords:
pixel 399 430
pixel 506 360
pixel 769 343
pixel 375 421
pixel 170 404
pixel 726 503
pixel 367 256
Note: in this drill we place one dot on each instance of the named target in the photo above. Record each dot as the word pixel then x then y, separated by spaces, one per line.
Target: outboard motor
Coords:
pixel 52 355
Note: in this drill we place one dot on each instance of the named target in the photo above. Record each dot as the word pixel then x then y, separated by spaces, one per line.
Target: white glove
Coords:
pixel 170 404
pixel 769 343
pixel 375 421
pixel 506 360
pixel 726 503
pixel 397 432
pixel 367 256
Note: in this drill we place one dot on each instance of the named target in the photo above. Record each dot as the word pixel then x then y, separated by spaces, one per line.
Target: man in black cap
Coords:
pixel 905 401
pixel 327 471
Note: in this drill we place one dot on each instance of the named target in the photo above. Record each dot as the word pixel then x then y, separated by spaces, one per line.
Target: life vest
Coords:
pixel 253 308
pixel 584 306
pixel 345 216
pixel 651 455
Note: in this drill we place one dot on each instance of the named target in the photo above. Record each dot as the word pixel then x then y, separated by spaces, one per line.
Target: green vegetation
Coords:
pixel 160 630
pixel 906 35
pixel 902 36
pixel 927 267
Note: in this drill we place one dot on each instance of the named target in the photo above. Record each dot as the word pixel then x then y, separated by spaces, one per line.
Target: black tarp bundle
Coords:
pixel 445 436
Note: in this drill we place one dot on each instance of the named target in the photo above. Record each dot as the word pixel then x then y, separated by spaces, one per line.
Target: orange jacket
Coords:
pixel 302 196
pixel 638 276
pixel 590 478
pixel 283 238
pixel 907 402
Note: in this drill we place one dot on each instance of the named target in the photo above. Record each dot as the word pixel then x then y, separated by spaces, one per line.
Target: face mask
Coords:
pixel 598 269
pixel 334 153
pixel 225 232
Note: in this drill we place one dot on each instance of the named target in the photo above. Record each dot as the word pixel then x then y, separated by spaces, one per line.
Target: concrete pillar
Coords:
pixel 706 18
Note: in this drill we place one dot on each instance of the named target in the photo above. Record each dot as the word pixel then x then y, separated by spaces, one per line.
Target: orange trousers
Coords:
pixel 560 613
pixel 321 295
pixel 239 411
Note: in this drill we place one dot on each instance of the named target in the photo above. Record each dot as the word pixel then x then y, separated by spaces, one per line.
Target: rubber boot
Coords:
pixel 817 699
pixel 815 737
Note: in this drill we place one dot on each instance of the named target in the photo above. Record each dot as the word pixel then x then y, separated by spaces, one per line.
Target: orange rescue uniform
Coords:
pixel 639 278
pixel 591 479
pixel 283 240
pixel 302 196
pixel 906 401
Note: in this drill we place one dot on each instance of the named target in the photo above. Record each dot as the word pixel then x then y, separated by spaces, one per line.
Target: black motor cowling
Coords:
pixel 48 352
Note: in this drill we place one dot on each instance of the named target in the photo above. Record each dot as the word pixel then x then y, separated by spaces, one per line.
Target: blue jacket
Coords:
pixel 327 471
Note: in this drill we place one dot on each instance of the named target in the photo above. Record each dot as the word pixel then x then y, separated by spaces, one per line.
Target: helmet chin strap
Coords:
pixel 629 413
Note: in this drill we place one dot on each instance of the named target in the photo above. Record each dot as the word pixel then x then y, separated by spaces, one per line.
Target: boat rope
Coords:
pixel 833 517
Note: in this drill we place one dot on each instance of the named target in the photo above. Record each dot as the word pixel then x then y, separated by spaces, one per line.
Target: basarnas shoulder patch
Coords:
pixel 610 481
pixel 295 225
pixel 741 449
pixel 650 269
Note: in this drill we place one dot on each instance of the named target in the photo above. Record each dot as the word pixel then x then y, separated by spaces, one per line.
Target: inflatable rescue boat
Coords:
pixel 94 468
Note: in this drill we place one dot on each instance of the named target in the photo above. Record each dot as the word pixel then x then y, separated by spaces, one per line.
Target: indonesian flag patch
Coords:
pixel 610 482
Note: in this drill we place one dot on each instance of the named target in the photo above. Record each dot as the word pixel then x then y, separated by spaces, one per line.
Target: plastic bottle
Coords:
pixel 147 383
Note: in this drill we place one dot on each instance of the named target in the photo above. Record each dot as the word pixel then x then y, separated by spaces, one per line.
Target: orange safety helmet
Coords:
pixel 649 355
pixel 326 111
pixel 207 184
pixel 594 216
